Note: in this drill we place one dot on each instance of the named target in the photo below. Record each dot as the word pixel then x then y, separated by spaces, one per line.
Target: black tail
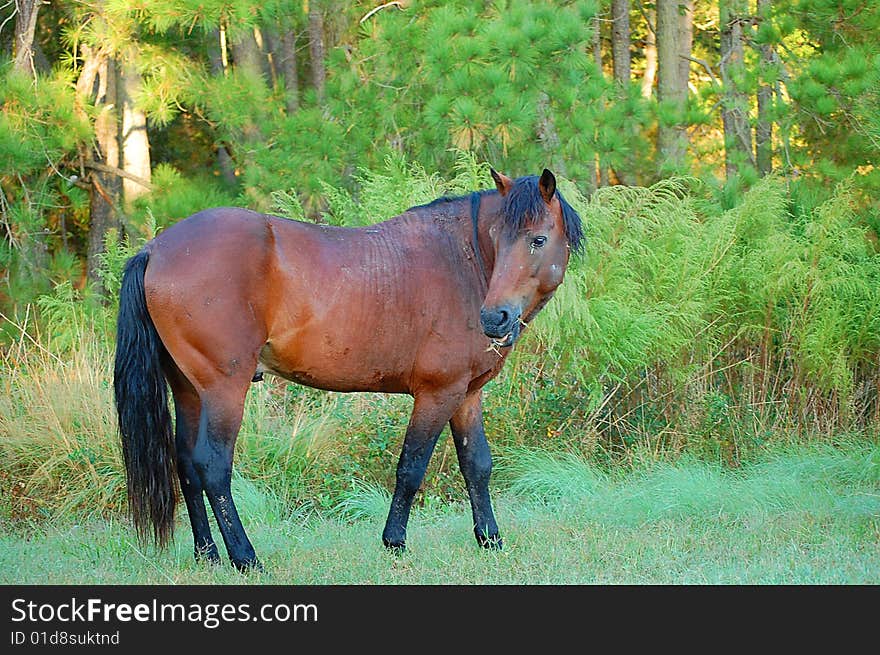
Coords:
pixel 142 408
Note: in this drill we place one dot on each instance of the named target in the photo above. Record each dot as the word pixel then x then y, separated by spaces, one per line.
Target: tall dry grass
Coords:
pixel 58 425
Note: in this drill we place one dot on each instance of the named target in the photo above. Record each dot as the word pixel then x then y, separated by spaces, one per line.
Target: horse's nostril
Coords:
pixel 498 321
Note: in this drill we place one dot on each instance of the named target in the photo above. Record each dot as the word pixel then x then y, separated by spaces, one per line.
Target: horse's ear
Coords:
pixel 503 182
pixel 547 185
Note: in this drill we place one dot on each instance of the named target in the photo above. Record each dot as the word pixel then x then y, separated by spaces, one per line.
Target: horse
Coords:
pixel 428 303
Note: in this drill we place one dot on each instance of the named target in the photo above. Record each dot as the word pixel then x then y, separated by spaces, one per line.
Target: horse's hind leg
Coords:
pixel 475 462
pixel 187 408
pixel 219 423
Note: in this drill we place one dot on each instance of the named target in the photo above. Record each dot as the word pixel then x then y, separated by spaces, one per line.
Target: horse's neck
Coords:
pixel 488 224
pixel 429 227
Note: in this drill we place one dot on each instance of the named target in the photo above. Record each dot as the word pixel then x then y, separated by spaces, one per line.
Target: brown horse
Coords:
pixel 428 303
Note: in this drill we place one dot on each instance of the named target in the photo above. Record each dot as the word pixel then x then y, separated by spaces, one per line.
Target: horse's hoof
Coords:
pixel 490 542
pixel 394 547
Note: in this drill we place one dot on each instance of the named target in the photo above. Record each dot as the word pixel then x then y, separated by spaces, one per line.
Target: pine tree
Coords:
pixel 764 121
pixel 736 100
pixel 671 89
pixel 25 26
pixel 828 62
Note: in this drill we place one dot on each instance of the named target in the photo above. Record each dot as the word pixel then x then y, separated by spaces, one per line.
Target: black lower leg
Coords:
pixel 429 416
pixel 477 482
pixel 410 472
pixel 212 459
pixel 475 461
pixel 191 487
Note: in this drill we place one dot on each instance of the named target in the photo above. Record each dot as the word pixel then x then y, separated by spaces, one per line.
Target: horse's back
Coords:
pixel 209 233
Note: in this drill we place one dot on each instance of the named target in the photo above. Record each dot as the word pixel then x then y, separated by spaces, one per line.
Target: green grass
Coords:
pixel 808 514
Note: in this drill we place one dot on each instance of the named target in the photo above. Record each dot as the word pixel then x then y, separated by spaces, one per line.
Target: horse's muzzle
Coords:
pixel 501 323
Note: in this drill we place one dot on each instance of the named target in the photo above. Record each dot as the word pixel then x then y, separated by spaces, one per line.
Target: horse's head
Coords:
pixel 533 239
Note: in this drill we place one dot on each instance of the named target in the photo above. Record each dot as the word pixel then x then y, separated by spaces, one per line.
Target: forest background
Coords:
pixel 722 154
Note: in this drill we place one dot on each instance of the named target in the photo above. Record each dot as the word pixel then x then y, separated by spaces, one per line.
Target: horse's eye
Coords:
pixel 537 242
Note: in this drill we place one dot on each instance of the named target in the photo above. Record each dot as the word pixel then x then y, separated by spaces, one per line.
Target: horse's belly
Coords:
pixel 335 369
pixel 328 383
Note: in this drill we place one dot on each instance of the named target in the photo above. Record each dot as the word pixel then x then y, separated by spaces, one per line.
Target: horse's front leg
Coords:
pixel 430 413
pixel 475 462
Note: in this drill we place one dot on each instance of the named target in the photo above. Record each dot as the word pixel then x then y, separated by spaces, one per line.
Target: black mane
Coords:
pixel 524 202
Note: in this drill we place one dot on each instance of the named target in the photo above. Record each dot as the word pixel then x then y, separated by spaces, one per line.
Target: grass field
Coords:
pixel 809 514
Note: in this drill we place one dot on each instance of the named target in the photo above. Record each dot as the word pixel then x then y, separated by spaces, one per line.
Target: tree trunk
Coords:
pixel 602 173
pixel 248 52
pixel 764 125
pixel 34 246
pixel 316 50
pixel 650 54
pixel 685 40
pixel 287 64
pixel 134 140
pixel 30 233
pixel 549 136
pixel 764 131
pixel 671 89
pixel 25 27
pixel 98 80
pixel 620 40
pixel 269 40
pixel 735 101
pixel 217 57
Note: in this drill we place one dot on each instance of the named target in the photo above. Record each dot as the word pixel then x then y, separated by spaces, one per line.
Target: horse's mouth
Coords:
pixel 505 341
